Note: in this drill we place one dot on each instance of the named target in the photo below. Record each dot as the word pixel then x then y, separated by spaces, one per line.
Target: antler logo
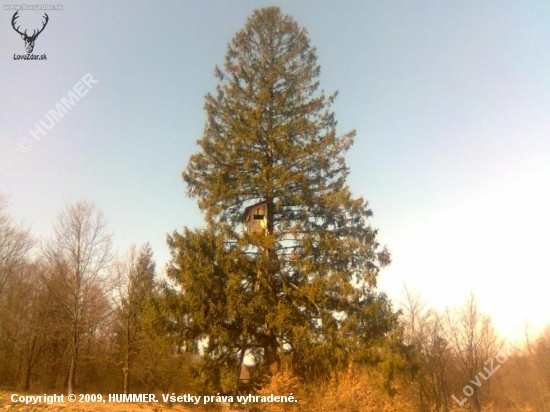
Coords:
pixel 29 40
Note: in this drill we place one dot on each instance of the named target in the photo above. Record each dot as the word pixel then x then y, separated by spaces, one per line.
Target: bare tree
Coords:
pixel 423 330
pixel 473 341
pixel 34 320
pixel 541 360
pixel 79 253
pixel 15 243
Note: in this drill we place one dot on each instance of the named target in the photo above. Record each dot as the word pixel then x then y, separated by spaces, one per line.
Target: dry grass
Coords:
pixel 7 405
pixel 350 392
pixel 346 392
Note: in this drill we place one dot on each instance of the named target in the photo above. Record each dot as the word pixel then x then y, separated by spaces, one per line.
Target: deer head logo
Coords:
pixel 29 40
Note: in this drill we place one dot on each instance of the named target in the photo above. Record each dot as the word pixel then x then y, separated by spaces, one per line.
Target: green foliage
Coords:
pixel 304 287
pixel 144 347
pixel 217 305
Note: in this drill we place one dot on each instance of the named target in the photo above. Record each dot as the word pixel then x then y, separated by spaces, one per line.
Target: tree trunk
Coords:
pixel 27 383
pixel 126 379
pixel 74 359
pixel 126 367
pixel 239 370
pixel 29 364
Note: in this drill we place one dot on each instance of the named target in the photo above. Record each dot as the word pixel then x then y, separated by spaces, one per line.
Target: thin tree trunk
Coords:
pixel 74 359
pixel 239 370
pixel 28 370
pixel 29 363
pixel 126 379
pixel 126 367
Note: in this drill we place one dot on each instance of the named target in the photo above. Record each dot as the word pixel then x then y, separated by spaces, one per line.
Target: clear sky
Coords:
pixel 450 100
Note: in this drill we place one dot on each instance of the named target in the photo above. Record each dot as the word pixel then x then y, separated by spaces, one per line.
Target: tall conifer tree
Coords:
pixel 304 284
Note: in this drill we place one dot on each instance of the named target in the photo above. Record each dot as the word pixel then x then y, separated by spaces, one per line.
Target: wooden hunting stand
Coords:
pixel 255 217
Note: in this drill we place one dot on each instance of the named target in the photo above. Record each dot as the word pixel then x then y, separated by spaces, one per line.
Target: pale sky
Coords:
pixel 450 101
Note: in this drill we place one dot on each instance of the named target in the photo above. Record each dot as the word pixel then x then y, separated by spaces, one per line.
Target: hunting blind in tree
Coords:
pixel 255 217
